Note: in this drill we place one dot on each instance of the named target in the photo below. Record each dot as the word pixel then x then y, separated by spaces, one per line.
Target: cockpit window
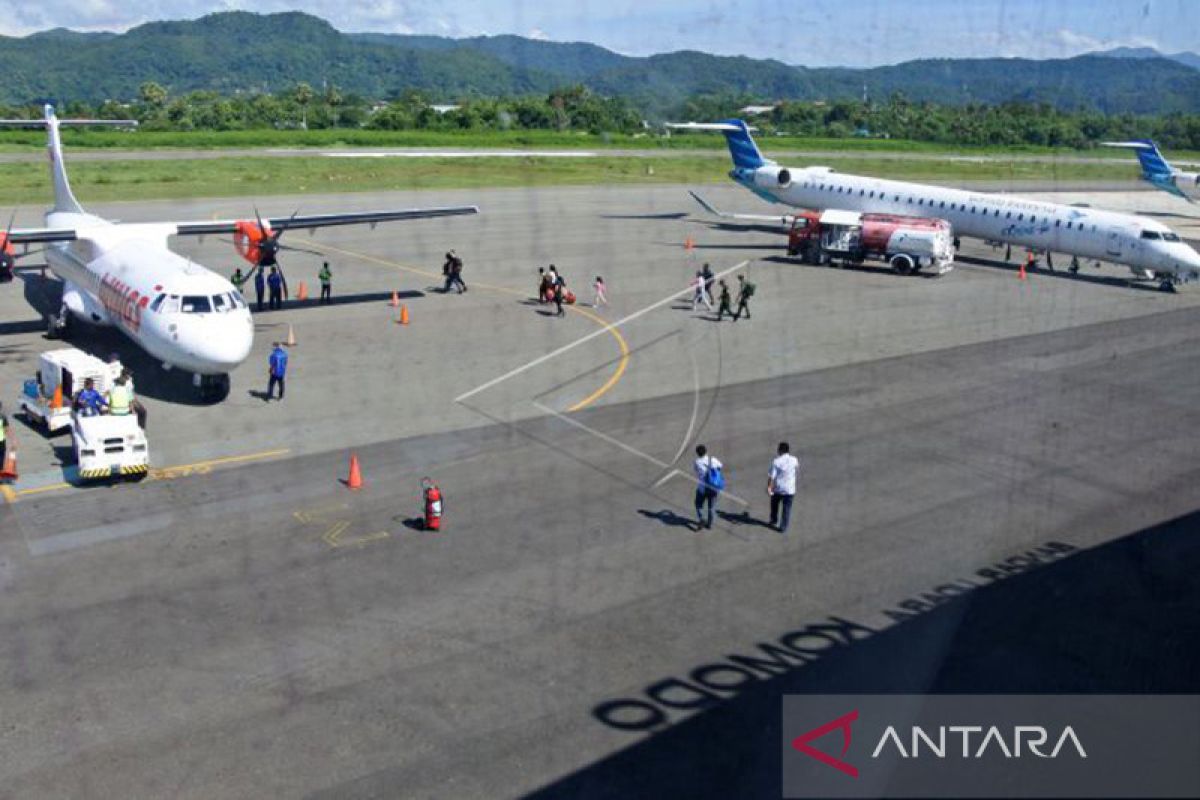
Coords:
pixel 1150 235
pixel 1170 237
pixel 196 304
pixel 220 303
pixel 171 306
pixel 238 302
pixel 157 304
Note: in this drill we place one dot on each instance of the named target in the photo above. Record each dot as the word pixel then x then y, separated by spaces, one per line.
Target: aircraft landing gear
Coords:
pixel 211 388
pixel 1167 285
pixel 58 326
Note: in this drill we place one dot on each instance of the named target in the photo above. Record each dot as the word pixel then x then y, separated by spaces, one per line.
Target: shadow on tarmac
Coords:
pixel 1123 617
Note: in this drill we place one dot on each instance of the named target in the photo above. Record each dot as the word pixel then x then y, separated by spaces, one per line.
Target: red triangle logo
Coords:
pixel 844 722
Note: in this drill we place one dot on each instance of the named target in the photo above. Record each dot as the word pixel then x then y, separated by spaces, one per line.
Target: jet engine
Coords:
pixel 772 178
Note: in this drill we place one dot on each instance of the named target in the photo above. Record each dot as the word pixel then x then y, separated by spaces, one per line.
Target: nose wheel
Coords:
pixel 211 388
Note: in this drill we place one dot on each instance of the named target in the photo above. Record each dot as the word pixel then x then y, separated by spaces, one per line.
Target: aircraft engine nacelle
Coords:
pixel 772 178
pixel 8 258
pixel 82 306
pixel 253 242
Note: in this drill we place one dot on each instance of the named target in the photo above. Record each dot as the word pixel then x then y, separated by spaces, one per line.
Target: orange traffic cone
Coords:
pixel 403 315
pixel 302 291
pixel 395 301
pixel 291 337
pixel 57 400
pixel 355 480
pixel 1021 273
pixel 8 470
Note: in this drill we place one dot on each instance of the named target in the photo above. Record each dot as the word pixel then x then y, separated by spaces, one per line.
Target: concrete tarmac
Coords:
pixel 247 627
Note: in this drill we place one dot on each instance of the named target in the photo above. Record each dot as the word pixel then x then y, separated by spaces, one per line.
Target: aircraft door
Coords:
pixel 1114 242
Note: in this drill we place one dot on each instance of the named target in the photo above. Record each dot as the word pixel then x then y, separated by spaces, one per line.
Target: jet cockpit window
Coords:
pixel 157 304
pixel 1150 235
pixel 196 304
pixel 238 302
pixel 221 304
pixel 1170 237
pixel 171 306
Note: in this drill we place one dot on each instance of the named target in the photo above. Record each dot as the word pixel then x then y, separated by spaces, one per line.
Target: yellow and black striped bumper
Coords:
pixel 108 472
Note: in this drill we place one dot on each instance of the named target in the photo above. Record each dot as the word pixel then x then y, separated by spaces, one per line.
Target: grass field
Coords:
pixel 24 140
pixel 144 180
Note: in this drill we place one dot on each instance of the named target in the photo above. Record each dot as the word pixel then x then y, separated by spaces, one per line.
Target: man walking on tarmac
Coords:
pixel 724 304
pixel 325 276
pixel 275 284
pixel 781 486
pixel 277 363
pixel 745 292
pixel 710 480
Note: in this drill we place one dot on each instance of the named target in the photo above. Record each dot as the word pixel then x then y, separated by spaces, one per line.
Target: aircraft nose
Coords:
pixel 227 346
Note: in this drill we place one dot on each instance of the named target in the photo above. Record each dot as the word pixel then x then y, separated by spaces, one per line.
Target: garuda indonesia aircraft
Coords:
pixel 124 275
pixel 1160 174
pixel 1150 249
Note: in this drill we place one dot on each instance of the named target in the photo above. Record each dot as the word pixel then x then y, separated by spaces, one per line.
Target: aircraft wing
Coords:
pixel 313 221
pixel 41 235
pixel 782 219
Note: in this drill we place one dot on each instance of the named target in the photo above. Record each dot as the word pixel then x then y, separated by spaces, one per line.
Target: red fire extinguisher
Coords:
pixel 433 504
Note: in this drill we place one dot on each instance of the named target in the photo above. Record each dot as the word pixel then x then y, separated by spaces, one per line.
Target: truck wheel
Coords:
pixel 901 264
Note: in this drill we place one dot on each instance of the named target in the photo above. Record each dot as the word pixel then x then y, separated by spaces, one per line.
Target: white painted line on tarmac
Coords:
pixel 584 339
pixel 603 436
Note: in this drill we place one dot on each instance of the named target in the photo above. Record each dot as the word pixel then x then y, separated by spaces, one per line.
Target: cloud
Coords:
pixel 537 34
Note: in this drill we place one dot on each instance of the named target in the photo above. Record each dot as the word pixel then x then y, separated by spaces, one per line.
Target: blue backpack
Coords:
pixel 714 478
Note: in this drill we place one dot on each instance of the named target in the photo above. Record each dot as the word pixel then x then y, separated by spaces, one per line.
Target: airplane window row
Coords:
pixel 962 207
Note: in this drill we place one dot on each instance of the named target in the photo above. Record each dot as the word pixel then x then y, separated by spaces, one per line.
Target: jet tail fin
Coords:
pixel 742 148
pixel 1152 161
pixel 64 198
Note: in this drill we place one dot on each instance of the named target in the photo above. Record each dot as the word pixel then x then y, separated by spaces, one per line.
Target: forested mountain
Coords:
pixel 235 52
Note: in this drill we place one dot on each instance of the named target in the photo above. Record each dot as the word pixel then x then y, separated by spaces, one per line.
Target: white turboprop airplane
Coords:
pixel 124 275
pixel 1150 249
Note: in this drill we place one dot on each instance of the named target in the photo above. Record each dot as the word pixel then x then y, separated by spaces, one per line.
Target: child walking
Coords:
pixel 601 290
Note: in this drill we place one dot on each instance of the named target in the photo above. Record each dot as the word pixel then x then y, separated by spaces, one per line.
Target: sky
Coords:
pixel 805 32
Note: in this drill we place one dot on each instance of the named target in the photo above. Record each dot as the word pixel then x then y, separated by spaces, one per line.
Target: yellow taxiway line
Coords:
pixel 605 324
pixel 160 473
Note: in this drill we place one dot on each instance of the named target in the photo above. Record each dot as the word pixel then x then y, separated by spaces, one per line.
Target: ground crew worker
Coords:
pixel 326 278
pixel 88 402
pixel 238 280
pixel 120 398
pixel 260 286
pixel 559 287
pixel 725 304
pixel 745 292
pixel 453 272
pixel 277 364
pixel 275 284
pixel 134 402
pixel 3 436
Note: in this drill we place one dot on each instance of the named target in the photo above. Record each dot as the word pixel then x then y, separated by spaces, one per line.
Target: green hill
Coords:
pixel 237 51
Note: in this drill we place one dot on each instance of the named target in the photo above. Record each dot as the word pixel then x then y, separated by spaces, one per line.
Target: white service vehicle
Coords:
pixel 105 445
pixel 46 398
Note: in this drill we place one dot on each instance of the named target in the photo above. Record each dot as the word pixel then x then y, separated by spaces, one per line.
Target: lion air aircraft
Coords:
pixel 124 275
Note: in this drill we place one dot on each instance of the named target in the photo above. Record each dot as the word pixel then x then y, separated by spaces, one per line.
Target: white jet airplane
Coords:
pixel 1149 248
pixel 1158 173
pixel 124 275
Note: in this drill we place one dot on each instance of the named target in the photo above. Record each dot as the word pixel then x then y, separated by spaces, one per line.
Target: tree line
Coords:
pixel 576 108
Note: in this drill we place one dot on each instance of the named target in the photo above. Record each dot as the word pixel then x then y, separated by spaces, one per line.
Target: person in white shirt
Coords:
pixel 781 486
pixel 708 471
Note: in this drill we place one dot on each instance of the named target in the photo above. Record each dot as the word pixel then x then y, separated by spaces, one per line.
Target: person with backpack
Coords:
pixel 726 303
pixel 745 292
pixel 710 480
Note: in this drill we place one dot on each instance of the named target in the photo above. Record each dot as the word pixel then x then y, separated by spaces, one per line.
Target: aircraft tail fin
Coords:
pixel 64 198
pixel 1154 166
pixel 742 148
